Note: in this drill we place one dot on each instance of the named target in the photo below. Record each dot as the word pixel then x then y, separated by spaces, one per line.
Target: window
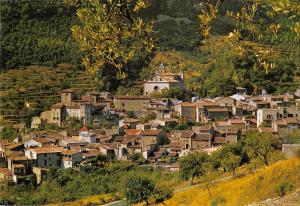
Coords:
pixel 156 88
pixel 45 162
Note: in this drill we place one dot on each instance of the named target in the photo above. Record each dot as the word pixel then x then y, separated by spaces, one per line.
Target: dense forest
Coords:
pixel 38 33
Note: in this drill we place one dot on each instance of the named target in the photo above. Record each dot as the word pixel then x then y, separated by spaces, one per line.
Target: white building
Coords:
pixel 162 81
pixel 86 136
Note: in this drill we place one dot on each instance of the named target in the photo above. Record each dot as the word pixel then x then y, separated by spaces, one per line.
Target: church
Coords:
pixel 163 80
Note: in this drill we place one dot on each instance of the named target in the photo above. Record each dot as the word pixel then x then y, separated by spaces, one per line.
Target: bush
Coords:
pixel 219 200
pixel 283 188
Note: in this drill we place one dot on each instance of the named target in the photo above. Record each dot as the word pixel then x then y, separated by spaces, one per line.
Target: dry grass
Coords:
pixel 93 199
pixel 251 188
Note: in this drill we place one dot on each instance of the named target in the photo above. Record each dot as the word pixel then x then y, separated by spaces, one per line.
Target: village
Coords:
pixel 159 130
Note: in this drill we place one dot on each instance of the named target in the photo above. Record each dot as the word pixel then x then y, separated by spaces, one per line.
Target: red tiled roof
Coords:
pixel 203 137
pixel 84 129
pixel 132 131
pixel 43 150
pixel 237 121
pixel 5 171
pixel 150 132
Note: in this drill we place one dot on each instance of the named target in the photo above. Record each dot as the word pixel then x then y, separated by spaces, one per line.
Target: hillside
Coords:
pixel 28 92
pixel 251 188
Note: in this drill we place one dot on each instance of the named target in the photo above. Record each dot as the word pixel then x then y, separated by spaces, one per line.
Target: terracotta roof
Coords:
pixel 43 150
pixel 202 137
pixel 133 97
pixel 57 106
pixel 131 137
pixel 70 152
pixel 131 120
pixel 205 127
pixel 14 145
pixel 281 122
pixel 188 104
pixel 43 140
pixel 266 130
pixel 67 91
pixel 150 132
pixel 132 131
pixel 220 140
pixel 217 110
pixel 237 121
pixel 118 138
pixel 5 171
pixel 84 129
pixel 291 120
pixel 184 133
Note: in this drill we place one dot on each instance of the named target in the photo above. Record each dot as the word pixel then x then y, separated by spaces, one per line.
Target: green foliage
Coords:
pixel 148 116
pixel 127 90
pixel 261 146
pixel 139 189
pixel 111 32
pixel 293 138
pixel 64 185
pixel 137 158
pixel 233 152
pixel 193 165
pixel 161 194
pixel 8 133
pixel 219 200
pixel 231 162
pixel 283 188
pixel 37 33
pixel 28 92
pixel 172 93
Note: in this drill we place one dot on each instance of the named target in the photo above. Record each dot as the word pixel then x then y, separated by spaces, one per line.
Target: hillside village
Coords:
pixel 156 128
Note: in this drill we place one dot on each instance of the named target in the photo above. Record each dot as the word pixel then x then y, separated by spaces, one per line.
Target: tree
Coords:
pixel 111 33
pixel 231 162
pixel 161 194
pixel 261 146
pixel 193 165
pixel 139 188
pixel 8 132
pixel 208 13
pixel 148 116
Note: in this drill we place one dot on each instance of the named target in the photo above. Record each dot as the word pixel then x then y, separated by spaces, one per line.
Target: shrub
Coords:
pixel 284 188
pixel 219 200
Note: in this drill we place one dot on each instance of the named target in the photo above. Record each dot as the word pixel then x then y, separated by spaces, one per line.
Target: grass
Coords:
pixel 251 188
pixel 93 199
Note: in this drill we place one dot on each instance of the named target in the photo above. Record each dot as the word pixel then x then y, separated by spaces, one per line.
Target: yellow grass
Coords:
pixel 251 188
pixel 95 199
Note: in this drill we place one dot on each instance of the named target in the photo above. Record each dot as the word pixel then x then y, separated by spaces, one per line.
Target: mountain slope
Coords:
pixel 251 188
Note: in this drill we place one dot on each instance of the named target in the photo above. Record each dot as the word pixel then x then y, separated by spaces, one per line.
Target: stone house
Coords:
pixel 267 116
pixel 152 137
pixel 39 142
pixel 129 123
pixel 53 157
pixel 132 103
pixel 286 126
pixel 184 138
pixel 187 110
pixel 202 140
pixel 45 157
